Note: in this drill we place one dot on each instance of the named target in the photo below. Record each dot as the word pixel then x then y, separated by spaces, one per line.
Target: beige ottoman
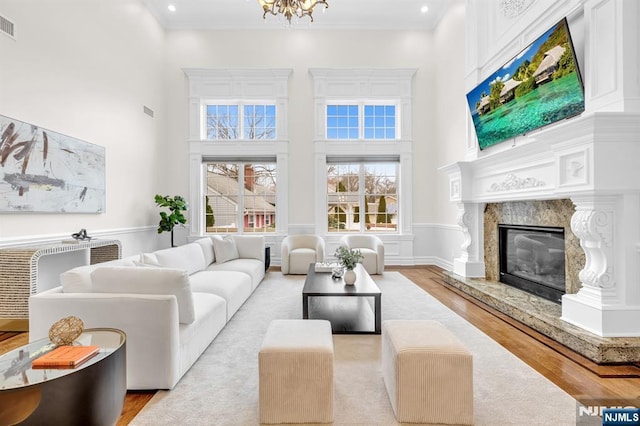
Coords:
pixel 428 373
pixel 295 366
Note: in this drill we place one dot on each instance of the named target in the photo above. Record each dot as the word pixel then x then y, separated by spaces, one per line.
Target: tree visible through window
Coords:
pixel 356 207
pixel 241 121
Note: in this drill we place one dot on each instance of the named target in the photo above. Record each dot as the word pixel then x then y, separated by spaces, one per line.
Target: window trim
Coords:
pixel 364 84
pixel 222 85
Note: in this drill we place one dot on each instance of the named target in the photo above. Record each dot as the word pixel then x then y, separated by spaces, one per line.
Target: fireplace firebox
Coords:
pixel 532 258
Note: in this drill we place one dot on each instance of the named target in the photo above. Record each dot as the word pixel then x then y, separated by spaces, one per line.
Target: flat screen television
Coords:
pixel 539 86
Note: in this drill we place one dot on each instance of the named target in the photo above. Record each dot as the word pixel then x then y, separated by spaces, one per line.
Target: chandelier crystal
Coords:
pixel 291 8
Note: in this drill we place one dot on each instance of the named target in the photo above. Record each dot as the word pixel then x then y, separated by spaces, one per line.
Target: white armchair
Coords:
pixel 298 251
pixel 371 247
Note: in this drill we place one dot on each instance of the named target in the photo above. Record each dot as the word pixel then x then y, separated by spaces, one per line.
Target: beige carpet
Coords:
pixel 222 389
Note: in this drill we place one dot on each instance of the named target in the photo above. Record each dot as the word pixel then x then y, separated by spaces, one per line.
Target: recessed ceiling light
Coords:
pixel 424 9
pixel 171 7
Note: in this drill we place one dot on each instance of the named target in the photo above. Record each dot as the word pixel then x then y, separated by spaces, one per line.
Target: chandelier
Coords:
pixel 291 8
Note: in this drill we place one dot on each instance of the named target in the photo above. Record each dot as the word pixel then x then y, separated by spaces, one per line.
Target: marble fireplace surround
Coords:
pixel 556 213
pixel 583 171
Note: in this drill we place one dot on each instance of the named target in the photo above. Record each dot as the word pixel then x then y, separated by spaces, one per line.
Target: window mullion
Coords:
pixel 240 216
pixel 241 119
pixel 361 120
pixel 362 199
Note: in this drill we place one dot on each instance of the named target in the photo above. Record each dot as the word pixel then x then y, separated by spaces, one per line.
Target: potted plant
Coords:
pixel 176 206
pixel 349 258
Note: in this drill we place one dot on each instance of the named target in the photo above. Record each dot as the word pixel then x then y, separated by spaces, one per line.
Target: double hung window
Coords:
pixel 362 196
pixel 240 197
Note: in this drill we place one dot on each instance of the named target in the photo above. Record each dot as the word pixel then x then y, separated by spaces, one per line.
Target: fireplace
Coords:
pixel 532 258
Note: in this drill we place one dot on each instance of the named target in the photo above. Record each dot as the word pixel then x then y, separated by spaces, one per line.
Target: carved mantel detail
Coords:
pixel 464 219
pixel 513 8
pixel 513 182
pixel 594 226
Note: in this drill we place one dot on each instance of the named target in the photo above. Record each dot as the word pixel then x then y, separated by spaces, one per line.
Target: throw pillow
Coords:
pixel 188 257
pixel 207 249
pixel 148 281
pixel 225 249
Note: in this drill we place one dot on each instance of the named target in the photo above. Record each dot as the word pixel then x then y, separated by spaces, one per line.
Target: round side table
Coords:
pixel 90 394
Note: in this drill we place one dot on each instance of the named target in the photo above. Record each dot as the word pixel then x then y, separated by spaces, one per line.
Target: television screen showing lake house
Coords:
pixel 539 86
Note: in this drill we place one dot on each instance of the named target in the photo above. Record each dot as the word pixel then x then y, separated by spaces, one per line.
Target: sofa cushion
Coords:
pixel 188 257
pixel 225 249
pixel 207 249
pixel 78 280
pixel 234 287
pixel 122 279
pixel 252 267
pixel 196 337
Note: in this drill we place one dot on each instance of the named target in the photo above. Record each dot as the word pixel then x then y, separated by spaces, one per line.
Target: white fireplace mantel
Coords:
pixel 594 160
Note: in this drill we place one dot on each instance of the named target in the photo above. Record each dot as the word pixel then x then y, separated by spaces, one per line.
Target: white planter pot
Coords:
pixel 349 277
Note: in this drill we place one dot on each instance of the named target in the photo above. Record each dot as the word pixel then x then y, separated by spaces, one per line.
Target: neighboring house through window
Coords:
pixel 240 193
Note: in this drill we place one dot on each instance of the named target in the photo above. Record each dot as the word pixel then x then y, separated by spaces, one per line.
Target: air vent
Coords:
pixel 7 27
pixel 148 111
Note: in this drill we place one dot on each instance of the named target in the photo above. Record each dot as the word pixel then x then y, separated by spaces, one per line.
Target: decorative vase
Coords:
pixel 350 277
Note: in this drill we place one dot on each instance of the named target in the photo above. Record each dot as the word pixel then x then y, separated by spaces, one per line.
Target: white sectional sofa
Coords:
pixel 171 303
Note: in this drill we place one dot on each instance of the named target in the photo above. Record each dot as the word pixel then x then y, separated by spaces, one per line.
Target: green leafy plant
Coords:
pixel 210 219
pixel 176 206
pixel 348 258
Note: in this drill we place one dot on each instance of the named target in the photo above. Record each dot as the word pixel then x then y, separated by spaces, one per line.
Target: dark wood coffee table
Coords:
pixel 351 309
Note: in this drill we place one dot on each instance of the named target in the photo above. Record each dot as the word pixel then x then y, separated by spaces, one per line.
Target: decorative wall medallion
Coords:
pixel 512 182
pixel 513 8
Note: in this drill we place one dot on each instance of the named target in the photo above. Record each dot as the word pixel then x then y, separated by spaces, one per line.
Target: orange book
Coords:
pixel 65 357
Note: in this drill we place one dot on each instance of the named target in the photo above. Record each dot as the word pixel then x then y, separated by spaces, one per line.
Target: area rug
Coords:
pixel 222 386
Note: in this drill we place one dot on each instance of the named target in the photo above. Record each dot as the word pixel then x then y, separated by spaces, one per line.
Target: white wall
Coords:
pixel 86 68
pixel 451 114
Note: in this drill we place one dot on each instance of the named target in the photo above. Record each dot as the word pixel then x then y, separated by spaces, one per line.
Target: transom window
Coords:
pixel 362 197
pixel 240 197
pixel 378 121
pixel 249 121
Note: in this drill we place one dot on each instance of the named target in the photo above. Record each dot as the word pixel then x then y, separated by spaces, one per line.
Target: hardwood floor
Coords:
pixel 581 378
pixel 584 380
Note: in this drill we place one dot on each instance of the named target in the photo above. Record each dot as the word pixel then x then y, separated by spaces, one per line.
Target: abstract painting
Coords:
pixel 45 171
